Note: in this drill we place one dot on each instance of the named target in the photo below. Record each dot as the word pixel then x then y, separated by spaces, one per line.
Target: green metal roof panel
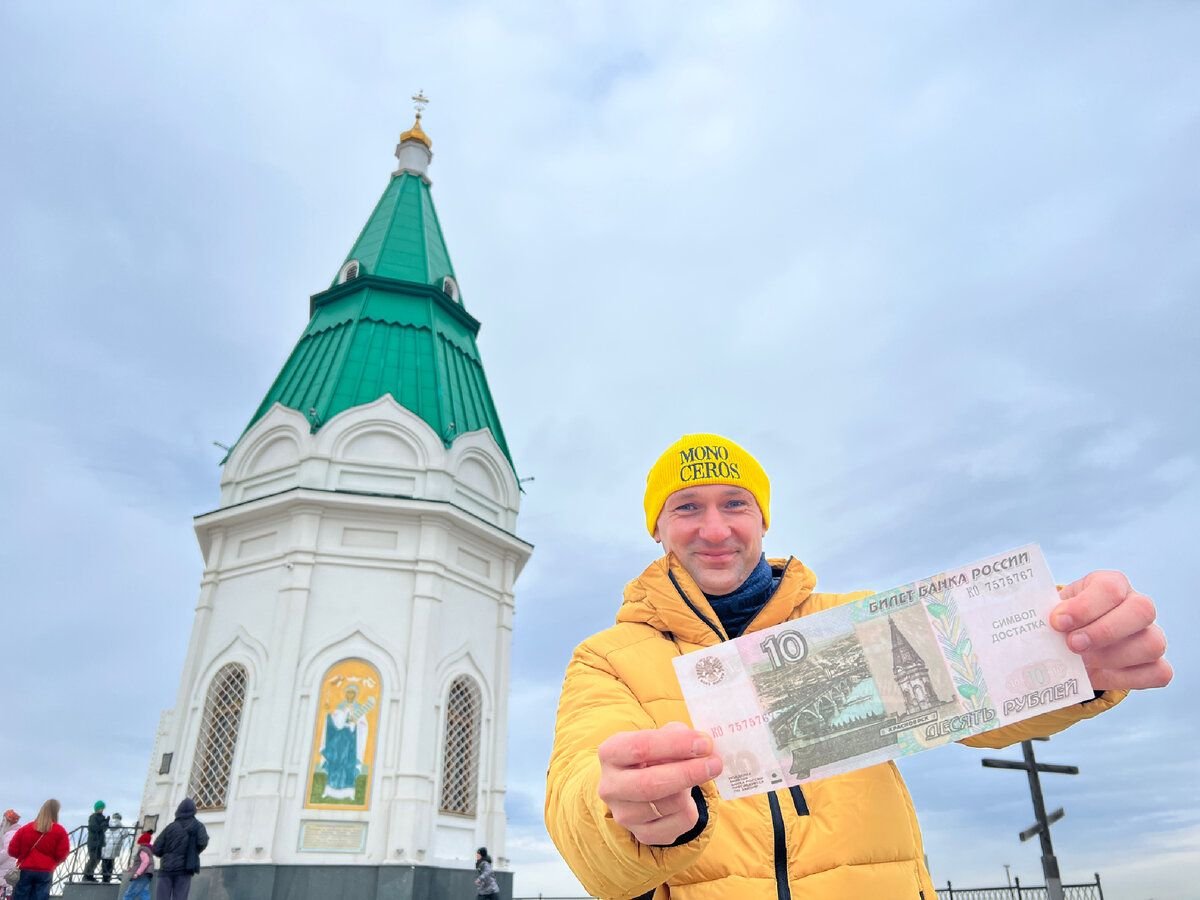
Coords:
pixel 435 244
pixel 467 410
pixel 403 238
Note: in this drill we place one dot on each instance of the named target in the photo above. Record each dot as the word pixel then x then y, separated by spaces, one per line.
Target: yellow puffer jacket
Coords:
pixel 852 836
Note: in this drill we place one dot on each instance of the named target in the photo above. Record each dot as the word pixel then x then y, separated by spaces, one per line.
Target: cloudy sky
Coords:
pixel 938 266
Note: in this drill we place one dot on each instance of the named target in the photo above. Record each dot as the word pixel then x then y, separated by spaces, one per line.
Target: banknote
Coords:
pixel 903 670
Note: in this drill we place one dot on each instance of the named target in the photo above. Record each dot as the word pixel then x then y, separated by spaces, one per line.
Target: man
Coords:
pixel 97 828
pixel 630 802
pixel 180 846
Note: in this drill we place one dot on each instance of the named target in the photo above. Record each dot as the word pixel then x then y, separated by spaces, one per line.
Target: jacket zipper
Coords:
pixel 699 615
pixel 782 887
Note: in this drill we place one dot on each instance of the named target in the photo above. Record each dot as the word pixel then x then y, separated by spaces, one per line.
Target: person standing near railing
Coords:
pixel 97 826
pixel 114 843
pixel 38 848
pixel 141 869
pixel 180 846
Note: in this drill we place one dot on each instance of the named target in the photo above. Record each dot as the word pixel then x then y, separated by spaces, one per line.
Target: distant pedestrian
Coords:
pixel 485 879
pixel 97 826
pixel 7 863
pixel 38 848
pixel 8 820
pixel 141 869
pixel 114 843
pixel 180 846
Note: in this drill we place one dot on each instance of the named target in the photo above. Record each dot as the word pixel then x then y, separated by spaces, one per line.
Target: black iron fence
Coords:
pixel 71 868
pixel 1089 890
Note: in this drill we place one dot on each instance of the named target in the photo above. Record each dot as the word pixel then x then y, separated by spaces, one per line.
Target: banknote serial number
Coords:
pixel 1000 582
pixel 741 724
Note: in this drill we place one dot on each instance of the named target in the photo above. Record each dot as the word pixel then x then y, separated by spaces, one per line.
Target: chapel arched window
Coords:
pixel 217 740
pixel 460 755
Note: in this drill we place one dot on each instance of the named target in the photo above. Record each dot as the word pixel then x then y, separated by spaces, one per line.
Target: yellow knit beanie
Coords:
pixel 697 459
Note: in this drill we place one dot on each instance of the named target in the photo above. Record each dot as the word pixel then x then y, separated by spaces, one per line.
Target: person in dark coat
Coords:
pixel 97 827
pixel 180 846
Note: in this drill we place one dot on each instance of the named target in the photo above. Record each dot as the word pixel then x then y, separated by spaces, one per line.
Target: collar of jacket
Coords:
pixel 653 599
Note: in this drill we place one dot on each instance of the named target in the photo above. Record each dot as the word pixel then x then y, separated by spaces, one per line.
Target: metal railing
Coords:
pixel 71 868
pixel 1089 890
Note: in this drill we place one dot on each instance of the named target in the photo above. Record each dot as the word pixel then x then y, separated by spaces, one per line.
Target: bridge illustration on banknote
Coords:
pixel 848 697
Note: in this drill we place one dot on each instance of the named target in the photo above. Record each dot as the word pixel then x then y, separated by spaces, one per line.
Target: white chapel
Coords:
pixel 341 714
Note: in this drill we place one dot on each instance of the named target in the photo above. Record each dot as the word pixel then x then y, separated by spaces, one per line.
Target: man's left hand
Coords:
pixel 1112 627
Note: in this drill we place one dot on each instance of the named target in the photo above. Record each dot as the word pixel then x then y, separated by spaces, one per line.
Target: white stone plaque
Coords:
pixel 333 837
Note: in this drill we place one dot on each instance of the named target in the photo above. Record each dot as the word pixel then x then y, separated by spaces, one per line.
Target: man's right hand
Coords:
pixel 646 778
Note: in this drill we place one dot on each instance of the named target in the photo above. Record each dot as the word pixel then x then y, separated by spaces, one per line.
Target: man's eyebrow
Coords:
pixel 689 494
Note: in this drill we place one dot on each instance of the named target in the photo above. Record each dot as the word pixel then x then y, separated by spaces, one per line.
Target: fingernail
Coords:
pixel 700 747
pixel 1063 622
pixel 1079 641
pixel 713 767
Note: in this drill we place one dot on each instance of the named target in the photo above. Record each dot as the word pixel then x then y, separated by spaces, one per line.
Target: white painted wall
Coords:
pixel 369 539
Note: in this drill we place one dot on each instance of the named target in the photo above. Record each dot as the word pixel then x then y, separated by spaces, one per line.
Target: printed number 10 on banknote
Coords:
pixel 964 651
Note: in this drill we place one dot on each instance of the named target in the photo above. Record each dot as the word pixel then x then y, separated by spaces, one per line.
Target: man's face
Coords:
pixel 716 531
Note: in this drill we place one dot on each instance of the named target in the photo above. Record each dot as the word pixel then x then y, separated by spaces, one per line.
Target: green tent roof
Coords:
pixel 393 329
pixel 403 239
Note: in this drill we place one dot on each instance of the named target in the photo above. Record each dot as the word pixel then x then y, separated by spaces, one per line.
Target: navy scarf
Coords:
pixel 735 610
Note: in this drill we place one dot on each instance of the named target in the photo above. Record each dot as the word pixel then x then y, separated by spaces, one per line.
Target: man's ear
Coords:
pixel 657 539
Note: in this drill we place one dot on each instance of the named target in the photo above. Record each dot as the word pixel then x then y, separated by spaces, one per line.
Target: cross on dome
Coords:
pixel 420 101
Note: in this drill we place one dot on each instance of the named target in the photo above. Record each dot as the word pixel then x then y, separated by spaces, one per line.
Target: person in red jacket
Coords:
pixel 38 848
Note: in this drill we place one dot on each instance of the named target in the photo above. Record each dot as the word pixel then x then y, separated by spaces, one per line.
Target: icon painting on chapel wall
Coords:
pixel 345 737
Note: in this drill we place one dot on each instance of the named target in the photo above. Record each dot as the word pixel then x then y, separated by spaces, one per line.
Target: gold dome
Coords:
pixel 416 134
